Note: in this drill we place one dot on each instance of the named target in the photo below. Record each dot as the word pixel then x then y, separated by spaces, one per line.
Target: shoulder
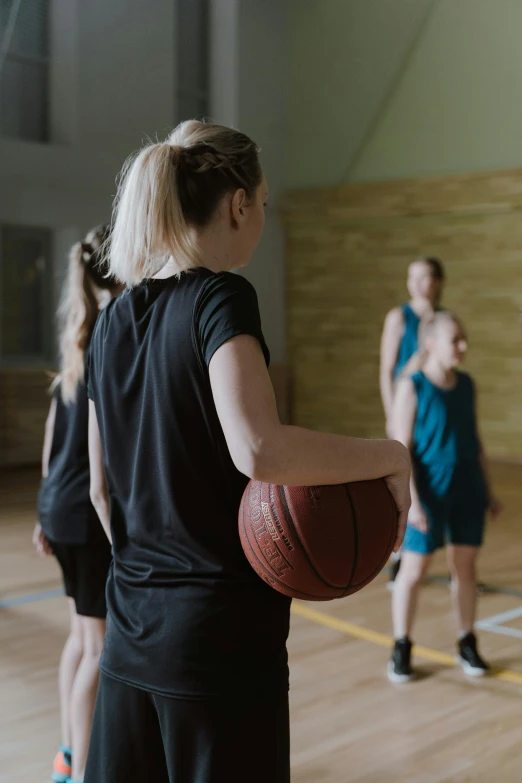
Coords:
pixel 102 319
pixel 395 318
pixel 100 330
pixel 414 383
pixel 225 290
pixel 227 283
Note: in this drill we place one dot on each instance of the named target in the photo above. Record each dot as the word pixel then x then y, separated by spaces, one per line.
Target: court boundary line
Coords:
pixel 351 629
pixel 383 640
pixel 30 598
pixel 495 623
pixel 500 630
pixel 503 617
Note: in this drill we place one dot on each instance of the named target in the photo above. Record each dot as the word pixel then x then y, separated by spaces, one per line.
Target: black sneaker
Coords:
pixel 468 657
pixel 399 668
pixel 393 570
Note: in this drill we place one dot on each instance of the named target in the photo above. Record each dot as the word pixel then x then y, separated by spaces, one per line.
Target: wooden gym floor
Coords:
pixel 349 724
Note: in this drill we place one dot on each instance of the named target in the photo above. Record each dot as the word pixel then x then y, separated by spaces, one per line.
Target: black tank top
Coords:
pixel 65 511
pixel 187 615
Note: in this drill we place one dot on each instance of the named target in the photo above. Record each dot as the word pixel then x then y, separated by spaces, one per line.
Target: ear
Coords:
pixel 238 204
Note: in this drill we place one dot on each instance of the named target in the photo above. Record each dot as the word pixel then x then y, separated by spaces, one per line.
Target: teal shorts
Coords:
pixel 455 501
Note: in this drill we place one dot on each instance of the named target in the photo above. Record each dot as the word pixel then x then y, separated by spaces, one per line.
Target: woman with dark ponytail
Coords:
pixel 194 682
pixel 68 525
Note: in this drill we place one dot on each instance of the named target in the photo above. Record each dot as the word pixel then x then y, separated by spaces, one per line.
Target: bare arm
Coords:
pixel 264 449
pixel 48 438
pixel 390 343
pixel 404 415
pixel 98 491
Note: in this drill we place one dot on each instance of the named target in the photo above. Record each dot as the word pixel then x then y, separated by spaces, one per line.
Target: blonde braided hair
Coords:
pixel 171 186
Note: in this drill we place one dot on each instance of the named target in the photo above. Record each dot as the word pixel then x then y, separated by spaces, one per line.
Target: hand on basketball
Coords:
pixel 41 541
pixel 418 518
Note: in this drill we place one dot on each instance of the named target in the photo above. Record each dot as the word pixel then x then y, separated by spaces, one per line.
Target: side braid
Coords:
pixel 168 188
pixel 200 158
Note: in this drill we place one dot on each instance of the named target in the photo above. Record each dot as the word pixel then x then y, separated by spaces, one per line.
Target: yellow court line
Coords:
pixel 367 635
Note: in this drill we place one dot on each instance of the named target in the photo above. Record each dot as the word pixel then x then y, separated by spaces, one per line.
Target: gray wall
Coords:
pixel 113 83
pixel 250 50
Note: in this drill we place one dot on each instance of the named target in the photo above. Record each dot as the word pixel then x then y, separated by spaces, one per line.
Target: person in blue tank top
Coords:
pixel 435 417
pixel 400 339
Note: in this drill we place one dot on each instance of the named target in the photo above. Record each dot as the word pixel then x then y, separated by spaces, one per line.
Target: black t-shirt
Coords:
pixel 65 511
pixel 187 615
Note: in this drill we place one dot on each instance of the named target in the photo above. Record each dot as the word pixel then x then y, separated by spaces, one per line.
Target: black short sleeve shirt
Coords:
pixel 187 614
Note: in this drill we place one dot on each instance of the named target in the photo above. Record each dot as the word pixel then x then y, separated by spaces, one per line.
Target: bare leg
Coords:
pixel 462 564
pixel 84 692
pixel 69 663
pixel 405 593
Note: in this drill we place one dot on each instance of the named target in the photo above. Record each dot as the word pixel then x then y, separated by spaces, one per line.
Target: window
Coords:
pixel 24 69
pixel 26 300
pixel 193 35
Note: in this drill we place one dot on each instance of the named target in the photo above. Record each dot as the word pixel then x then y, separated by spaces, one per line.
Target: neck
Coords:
pixel 422 306
pixel 213 250
pixel 445 377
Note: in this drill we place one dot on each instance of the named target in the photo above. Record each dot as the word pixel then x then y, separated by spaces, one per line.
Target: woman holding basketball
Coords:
pixel 435 417
pixel 194 683
pixel 68 525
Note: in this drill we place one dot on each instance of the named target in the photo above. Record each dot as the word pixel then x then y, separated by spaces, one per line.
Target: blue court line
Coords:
pixel 31 598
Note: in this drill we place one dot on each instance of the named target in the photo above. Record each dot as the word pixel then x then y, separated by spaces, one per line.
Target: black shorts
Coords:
pixel 145 738
pixel 85 568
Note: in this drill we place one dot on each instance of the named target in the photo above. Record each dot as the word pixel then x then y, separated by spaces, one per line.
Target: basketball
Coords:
pixel 318 543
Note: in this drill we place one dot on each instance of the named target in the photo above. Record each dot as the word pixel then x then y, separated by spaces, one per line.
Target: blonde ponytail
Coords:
pixel 170 188
pixel 149 226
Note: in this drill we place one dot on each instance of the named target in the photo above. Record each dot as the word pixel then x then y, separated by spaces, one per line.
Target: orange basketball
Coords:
pixel 318 543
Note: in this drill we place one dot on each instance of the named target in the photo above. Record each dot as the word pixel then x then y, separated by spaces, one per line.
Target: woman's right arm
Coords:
pixel 390 343
pixel 264 449
pixel 404 415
